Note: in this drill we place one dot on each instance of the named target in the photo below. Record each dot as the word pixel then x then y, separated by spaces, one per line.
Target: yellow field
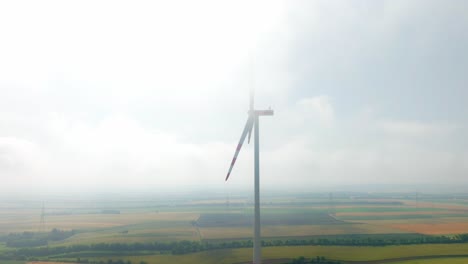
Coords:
pixel 435 261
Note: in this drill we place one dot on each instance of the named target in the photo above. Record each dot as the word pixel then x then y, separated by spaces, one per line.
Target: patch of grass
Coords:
pixel 2 247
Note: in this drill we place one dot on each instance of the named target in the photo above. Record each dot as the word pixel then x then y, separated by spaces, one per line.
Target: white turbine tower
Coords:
pixel 252 121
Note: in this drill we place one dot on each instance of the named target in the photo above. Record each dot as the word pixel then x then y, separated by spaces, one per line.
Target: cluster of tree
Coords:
pixel 318 259
pixel 57 234
pixel 31 239
pixel 462 238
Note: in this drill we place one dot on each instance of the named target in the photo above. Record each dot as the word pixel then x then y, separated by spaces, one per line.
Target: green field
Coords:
pixel 142 232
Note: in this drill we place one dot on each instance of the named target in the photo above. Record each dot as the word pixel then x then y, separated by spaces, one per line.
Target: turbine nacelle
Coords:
pixel 268 112
pixel 257 113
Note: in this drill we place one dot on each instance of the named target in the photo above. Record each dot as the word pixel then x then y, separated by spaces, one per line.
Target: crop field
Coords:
pixel 144 232
pixel 444 204
pixel 278 231
pixel 236 220
pixel 27 222
pixel 429 226
pixel 2 246
pixel 434 228
pixel 229 256
pixel 213 220
pixel 219 226
pixel 435 261
pixel 47 262
pixel 393 213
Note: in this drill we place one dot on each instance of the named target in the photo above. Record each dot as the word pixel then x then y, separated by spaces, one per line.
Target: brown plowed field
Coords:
pixel 434 229
pixel 398 213
pixel 437 205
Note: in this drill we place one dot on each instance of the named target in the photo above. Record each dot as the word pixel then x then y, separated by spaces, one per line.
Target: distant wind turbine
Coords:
pixel 253 120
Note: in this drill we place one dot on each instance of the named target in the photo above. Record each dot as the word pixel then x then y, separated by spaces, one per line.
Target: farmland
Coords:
pixel 332 252
pixel 349 218
pixel 233 220
pixel 435 261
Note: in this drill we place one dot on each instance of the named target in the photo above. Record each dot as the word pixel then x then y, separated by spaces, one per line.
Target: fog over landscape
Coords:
pixel 154 95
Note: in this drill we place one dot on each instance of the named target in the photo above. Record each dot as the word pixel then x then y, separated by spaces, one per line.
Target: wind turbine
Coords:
pixel 253 121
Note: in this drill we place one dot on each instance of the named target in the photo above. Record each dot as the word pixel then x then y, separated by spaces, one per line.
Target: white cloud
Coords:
pixel 152 93
pixel 14 152
pixel 117 152
pixel 415 128
pixel 317 107
pixel 20 160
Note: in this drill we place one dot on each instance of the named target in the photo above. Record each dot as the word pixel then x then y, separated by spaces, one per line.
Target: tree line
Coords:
pixel 184 247
pixel 318 259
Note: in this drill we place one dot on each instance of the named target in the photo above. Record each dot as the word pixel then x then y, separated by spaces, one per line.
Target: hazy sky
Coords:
pixel 131 94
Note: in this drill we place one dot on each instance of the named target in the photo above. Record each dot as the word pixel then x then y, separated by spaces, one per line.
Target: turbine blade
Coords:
pixel 247 127
pixel 250 134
